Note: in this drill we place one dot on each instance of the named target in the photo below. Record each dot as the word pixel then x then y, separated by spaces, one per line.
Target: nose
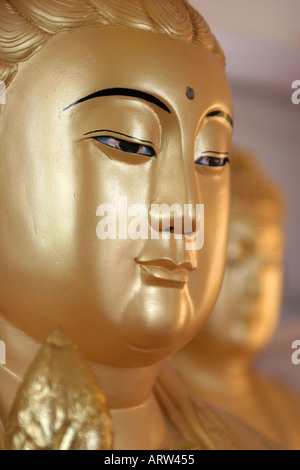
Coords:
pixel 175 196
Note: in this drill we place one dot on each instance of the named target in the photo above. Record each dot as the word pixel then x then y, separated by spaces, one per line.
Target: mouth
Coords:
pixel 165 272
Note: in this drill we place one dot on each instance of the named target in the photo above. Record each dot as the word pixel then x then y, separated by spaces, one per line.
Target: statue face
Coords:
pixel 248 307
pixel 60 162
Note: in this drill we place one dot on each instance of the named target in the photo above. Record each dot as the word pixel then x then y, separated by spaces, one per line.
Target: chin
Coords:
pixel 166 340
pixel 158 318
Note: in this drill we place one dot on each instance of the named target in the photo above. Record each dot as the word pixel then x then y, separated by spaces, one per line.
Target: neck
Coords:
pixel 208 370
pixel 20 351
pixel 128 391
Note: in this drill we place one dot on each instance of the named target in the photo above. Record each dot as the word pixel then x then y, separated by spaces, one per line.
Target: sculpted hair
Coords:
pixel 27 25
pixel 251 185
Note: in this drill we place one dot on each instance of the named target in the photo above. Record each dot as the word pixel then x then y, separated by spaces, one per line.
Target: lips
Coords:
pixel 179 275
pixel 167 270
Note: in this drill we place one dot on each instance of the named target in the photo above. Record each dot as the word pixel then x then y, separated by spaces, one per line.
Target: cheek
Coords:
pixel 272 285
pixel 211 259
pixel 228 297
pixel 37 194
pixel 226 315
pixel 213 256
pixel 237 283
pixel 221 317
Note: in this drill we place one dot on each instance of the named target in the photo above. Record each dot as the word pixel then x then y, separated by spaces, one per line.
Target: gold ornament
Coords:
pixel 60 405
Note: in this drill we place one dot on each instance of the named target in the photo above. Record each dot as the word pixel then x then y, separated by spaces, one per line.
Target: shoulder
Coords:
pixel 200 422
pixel 228 430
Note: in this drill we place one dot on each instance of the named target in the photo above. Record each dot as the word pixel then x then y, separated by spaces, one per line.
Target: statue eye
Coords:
pixel 126 146
pixel 212 161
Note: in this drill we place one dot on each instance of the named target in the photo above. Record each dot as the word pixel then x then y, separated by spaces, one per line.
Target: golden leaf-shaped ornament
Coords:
pixel 59 405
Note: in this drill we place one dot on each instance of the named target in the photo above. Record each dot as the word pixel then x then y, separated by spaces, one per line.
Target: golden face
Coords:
pixel 248 307
pixel 99 114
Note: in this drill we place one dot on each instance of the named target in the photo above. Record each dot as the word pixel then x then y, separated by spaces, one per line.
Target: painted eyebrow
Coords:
pixel 123 92
pixel 221 114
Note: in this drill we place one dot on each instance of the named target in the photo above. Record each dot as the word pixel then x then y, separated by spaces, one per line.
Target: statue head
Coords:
pixel 246 314
pixel 109 101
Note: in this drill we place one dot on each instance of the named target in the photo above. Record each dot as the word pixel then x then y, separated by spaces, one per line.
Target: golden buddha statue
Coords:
pixel 107 100
pixel 218 363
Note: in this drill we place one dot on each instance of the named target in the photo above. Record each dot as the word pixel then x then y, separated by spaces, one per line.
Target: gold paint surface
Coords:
pixel 54 175
pixel 26 27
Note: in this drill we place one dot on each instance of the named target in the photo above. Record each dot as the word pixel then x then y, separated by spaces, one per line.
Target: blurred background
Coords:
pixel 261 39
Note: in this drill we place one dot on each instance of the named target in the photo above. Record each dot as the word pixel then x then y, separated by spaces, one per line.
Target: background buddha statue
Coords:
pixel 108 99
pixel 217 364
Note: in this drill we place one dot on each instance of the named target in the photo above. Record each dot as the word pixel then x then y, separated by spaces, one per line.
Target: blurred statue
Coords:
pixel 217 364
pixel 107 101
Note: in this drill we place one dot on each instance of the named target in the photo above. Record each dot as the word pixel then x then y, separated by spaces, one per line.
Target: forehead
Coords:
pixel 80 62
